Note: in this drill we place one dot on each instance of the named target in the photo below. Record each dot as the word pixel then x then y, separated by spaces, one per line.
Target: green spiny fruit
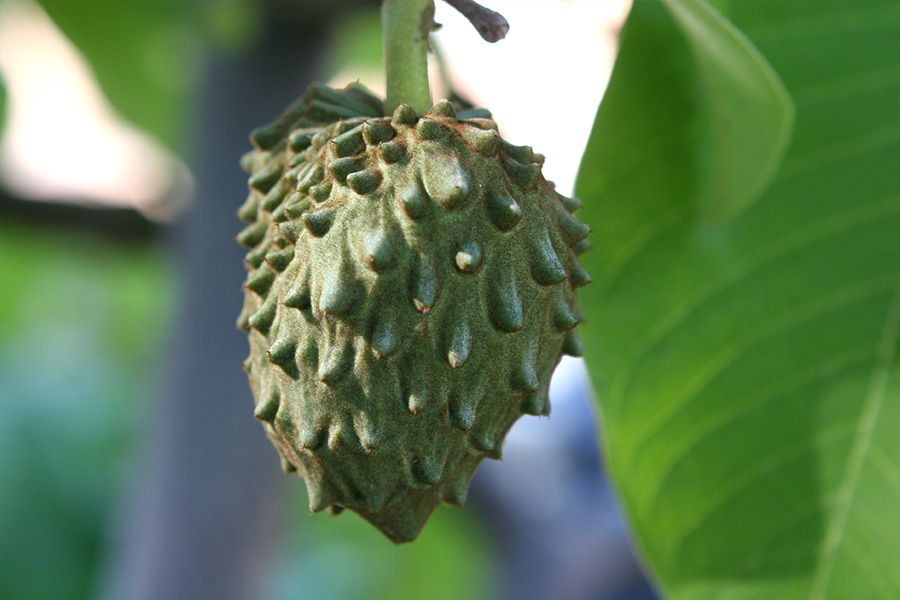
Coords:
pixel 411 288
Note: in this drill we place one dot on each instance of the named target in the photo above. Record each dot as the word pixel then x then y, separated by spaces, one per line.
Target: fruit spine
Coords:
pixel 411 288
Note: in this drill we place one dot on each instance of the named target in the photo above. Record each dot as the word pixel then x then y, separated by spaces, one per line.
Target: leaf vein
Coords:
pixel 763 469
pixel 783 246
pixel 858 555
pixel 831 23
pixel 839 151
pixel 704 427
pixel 780 529
pixel 858 453
pixel 888 470
pixel 823 306
pixel 843 87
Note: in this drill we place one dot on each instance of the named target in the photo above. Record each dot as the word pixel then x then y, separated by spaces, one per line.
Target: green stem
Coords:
pixel 407 25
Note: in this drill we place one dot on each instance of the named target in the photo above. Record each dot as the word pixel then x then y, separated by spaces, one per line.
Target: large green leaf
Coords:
pixel 747 370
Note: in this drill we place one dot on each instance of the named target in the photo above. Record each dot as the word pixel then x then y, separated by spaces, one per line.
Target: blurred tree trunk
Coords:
pixel 203 514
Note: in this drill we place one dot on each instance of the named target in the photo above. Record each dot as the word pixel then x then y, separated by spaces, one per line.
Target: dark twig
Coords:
pixel 492 26
pixel 91 217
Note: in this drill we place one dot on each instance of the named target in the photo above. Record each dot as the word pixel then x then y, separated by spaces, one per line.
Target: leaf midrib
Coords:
pixel 862 442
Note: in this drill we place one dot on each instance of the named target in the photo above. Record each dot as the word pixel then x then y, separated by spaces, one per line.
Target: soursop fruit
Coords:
pixel 411 288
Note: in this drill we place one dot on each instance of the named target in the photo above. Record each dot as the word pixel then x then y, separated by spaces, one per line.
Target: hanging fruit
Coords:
pixel 411 286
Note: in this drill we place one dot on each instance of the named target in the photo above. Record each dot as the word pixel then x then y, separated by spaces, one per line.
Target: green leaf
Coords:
pixel 745 114
pixel 144 54
pixel 747 371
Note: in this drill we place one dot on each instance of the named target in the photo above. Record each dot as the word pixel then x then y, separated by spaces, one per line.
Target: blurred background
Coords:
pixel 130 464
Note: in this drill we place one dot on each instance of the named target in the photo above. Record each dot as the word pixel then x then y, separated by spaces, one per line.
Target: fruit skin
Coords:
pixel 411 288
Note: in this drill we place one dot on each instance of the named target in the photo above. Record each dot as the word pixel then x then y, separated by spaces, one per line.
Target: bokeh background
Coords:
pixel 130 464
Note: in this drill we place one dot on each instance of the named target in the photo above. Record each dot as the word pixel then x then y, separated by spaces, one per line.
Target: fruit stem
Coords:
pixel 406 26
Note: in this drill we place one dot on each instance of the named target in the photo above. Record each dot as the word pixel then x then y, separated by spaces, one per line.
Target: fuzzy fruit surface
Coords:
pixel 411 287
